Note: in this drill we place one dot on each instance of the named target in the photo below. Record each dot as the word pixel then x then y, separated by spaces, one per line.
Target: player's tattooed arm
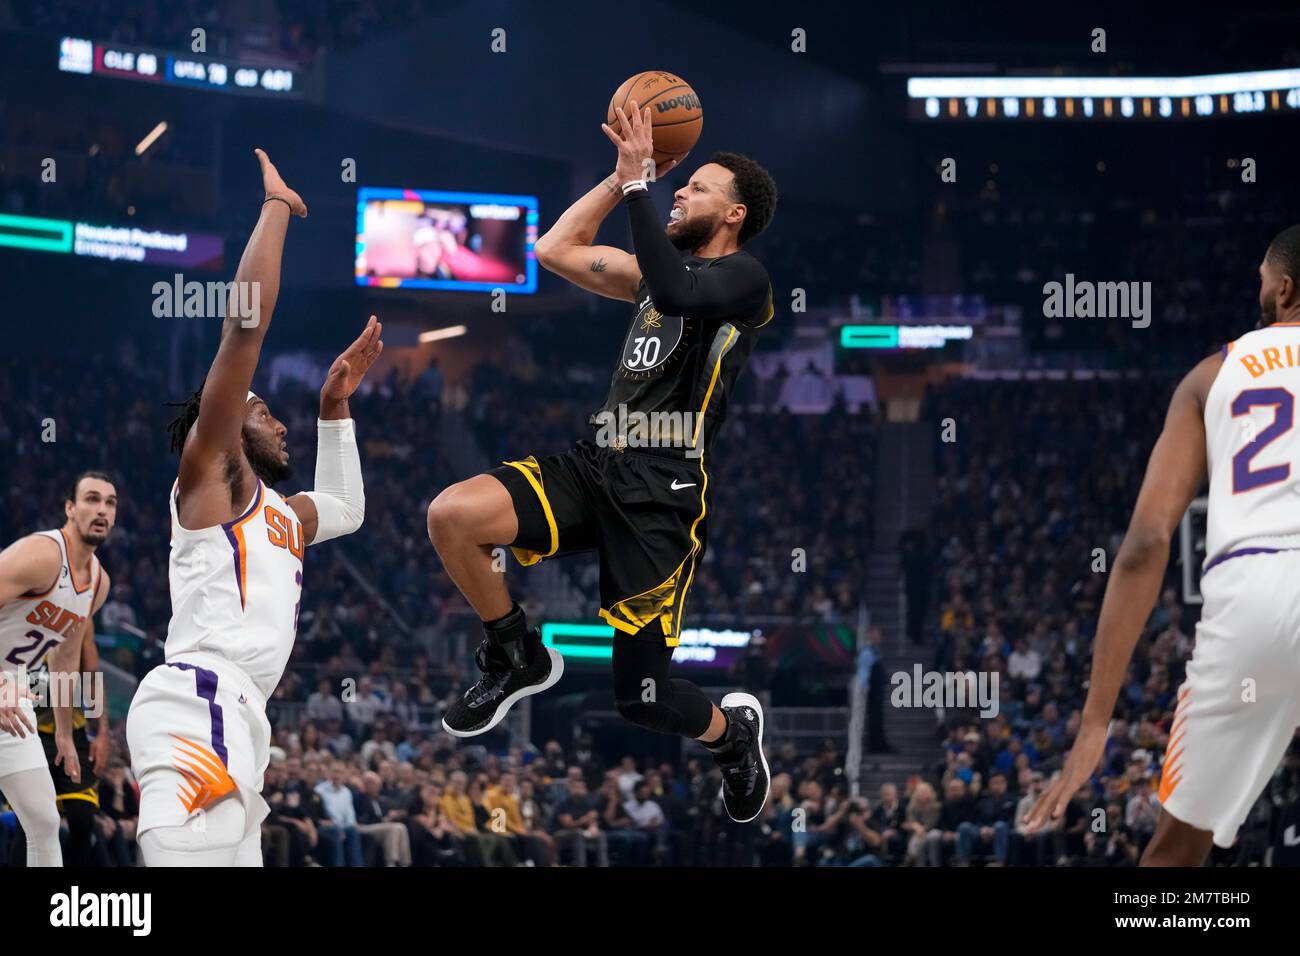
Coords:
pixel 566 248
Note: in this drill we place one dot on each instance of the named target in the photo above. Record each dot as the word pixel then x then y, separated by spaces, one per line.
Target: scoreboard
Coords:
pixel 1115 98
pixel 223 74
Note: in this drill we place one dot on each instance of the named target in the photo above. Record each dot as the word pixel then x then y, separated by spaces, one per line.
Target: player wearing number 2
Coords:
pixel 639 493
pixel 51 585
pixel 1231 419
pixel 197 729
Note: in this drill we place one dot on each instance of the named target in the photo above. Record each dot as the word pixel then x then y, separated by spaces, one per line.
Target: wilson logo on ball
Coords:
pixel 686 102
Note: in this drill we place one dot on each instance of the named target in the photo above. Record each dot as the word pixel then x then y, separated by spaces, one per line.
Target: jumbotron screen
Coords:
pixel 468 242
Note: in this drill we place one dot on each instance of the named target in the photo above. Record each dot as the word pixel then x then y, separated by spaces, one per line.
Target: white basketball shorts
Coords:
pixel 198 733
pixel 1240 704
pixel 22 753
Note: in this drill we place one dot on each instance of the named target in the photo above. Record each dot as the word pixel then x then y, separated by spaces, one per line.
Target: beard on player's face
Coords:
pixel 93 536
pixel 94 530
pixel 265 457
pixel 1267 314
pixel 91 526
pixel 693 231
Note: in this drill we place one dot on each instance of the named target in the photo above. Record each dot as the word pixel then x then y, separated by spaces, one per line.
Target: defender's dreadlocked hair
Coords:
pixel 179 427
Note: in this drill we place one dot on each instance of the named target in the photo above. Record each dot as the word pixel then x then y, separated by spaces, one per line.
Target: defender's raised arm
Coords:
pixel 215 436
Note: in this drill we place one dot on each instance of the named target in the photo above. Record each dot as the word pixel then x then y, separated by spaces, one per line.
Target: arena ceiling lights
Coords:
pixel 1103 97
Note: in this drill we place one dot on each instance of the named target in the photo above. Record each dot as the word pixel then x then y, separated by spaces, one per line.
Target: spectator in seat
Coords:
pixel 648 817
pixel 295 807
pixel 887 819
pixel 498 849
pixel 535 816
pixel 434 840
pixel 995 815
pixel 324 704
pixel 381 821
pixel 579 826
pixel 958 809
pixel 627 843
pixel 503 799
pixel 922 817
pixel 1142 812
pixel 119 812
pixel 1036 849
pixel 341 817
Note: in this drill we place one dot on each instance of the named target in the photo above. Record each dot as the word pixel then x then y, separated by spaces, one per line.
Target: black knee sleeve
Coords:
pixel 645 694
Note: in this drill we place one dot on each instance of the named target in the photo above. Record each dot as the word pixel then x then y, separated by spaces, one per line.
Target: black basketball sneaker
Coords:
pixel 511 671
pixel 745 777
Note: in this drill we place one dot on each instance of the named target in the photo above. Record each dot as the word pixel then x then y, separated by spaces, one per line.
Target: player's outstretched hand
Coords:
pixel 635 144
pixel 1089 745
pixel 66 756
pixel 274 186
pixel 13 719
pixel 350 368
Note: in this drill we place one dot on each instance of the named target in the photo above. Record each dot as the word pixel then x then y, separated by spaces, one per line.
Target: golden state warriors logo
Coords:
pixel 651 340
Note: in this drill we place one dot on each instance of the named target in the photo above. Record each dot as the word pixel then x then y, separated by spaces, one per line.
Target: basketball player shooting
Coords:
pixel 638 499
pixel 197 727
pixel 51 585
pixel 1231 419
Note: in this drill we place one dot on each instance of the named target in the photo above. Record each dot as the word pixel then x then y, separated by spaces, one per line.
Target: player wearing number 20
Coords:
pixel 1231 420
pixel 640 500
pixel 51 585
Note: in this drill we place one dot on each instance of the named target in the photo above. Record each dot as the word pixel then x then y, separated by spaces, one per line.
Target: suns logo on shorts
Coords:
pixel 206 779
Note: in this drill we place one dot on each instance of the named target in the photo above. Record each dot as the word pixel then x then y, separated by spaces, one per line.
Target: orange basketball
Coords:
pixel 675 111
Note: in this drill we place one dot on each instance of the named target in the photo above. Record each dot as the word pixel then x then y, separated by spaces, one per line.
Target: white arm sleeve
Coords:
pixel 339 496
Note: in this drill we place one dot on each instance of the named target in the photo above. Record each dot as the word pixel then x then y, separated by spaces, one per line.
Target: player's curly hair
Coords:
pixel 179 427
pixel 755 188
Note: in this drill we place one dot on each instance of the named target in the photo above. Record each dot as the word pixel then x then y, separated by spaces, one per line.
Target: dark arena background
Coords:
pixel 917 499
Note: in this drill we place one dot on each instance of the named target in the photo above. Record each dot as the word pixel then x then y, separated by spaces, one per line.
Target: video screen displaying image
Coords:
pixel 468 242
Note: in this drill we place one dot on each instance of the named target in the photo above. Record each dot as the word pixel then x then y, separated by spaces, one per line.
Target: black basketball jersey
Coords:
pixel 675 373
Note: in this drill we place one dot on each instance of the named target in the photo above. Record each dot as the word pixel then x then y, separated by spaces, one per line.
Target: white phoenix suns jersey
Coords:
pixel 32 626
pixel 1253 446
pixel 236 588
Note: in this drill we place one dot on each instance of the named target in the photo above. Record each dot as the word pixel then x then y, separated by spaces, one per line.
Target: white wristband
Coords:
pixel 634 184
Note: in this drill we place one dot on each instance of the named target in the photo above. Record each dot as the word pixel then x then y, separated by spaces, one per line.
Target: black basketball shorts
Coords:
pixel 644 512
pixel 87 788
